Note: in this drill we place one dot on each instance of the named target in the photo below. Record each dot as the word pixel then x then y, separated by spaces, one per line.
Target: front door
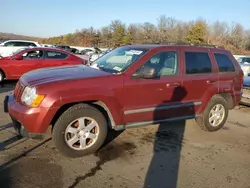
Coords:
pixel 31 60
pixel 159 98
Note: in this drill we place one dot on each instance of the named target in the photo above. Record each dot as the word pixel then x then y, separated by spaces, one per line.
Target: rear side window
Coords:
pixel 9 44
pixel 29 44
pixel 55 55
pixel 197 63
pixel 17 43
pixel 224 63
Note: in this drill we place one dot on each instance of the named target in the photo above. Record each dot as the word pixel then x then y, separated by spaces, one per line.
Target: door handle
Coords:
pixel 211 81
pixel 176 84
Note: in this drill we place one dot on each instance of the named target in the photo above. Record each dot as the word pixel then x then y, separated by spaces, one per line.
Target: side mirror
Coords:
pixel 248 74
pixel 145 72
pixel 19 57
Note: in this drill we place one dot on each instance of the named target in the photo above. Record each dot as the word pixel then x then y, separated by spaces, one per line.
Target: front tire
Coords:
pixel 81 130
pixel 215 115
pixel 1 76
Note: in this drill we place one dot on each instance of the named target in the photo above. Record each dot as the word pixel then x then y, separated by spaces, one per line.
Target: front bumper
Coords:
pixel 28 122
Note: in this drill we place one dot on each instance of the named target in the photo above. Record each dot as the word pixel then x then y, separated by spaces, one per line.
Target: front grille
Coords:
pixel 18 91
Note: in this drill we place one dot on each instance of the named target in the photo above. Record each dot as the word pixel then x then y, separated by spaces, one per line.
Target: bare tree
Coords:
pixel 233 36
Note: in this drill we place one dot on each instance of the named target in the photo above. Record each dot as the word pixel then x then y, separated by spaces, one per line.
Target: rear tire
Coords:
pixel 215 115
pixel 72 132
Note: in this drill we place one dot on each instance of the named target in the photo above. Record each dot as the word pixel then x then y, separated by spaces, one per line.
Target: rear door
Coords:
pixel 54 58
pixel 201 78
pixel 230 75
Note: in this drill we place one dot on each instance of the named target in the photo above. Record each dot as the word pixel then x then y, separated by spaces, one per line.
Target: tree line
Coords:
pixel 232 36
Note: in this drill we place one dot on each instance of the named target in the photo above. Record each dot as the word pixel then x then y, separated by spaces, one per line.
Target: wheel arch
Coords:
pixel 4 74
pixel 100 105
pixel 206 99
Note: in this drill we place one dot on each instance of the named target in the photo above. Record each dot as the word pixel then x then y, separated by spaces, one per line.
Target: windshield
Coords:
pixel 119 59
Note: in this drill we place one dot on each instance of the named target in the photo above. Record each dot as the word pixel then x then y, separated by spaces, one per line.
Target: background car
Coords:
pixel 63 47
pixel 244 59
pixel 245 98
pixel 95 55
pixel 8 47
pixel 75 51
pixel 69 49
pixel 85 51
pixel 25 60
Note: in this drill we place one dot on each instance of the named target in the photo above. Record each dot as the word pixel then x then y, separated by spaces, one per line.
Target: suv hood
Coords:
pixel 48 75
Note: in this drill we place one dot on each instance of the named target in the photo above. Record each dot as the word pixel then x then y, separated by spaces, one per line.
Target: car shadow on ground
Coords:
pixel 5 143
pixel 4 127
pixel 13 141
pixel 168 141
pixel 9 168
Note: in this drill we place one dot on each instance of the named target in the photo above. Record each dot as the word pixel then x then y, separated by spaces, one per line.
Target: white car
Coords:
pixel 8 47
pixel 243 59
pixel 244 62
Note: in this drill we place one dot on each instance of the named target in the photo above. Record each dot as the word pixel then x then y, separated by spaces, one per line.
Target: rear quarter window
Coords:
pixel 224 63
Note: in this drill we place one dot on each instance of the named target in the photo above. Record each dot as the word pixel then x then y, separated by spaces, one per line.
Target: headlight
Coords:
pixel 30 97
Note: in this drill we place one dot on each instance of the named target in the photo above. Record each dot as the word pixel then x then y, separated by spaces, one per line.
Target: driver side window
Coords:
pixel 165 63
pixel 33 54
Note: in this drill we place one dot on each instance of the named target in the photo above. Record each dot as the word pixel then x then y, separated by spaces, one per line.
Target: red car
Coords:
pixel 25 60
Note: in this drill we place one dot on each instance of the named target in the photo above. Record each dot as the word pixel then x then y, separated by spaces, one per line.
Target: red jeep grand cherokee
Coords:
pixel 130 86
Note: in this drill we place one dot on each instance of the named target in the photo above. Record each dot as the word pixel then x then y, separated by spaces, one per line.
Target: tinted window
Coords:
pixel 224 63
pixel 165 63
pixel 197 62
pixel 21 44
pixel 17 43
pixel 55 55
pixel 9 44
pixel 29 44
pixel 245 59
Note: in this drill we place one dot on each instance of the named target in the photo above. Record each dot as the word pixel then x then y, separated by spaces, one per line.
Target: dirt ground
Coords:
pixel 164 156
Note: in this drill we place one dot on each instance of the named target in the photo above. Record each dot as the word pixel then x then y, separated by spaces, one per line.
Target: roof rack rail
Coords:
pixel 191 44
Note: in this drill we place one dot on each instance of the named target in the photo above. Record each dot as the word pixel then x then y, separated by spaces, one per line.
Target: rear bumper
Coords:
pixel 28 121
